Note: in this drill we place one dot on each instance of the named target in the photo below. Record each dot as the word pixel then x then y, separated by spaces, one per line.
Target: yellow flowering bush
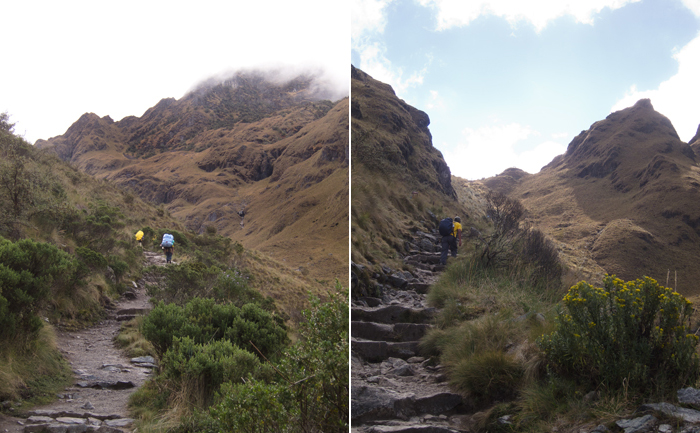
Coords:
pixel 630 334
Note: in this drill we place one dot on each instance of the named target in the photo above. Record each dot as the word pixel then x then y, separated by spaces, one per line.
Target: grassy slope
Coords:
pixel 298 214
pixel 25 370
pixel 396 183
pixel 622 200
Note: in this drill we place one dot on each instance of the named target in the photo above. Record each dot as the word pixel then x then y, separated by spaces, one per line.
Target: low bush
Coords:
pixel 188 280
pixel 542 254
pixel 91 259
pixel 311 391
pixel 630 334
pixel 29 271
pixel 119 266
pixel 203 320
pixel 488 376
pixel 198 370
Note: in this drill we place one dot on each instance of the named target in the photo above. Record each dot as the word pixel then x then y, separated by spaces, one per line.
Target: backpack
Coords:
pixel 168 241
pixel 446 227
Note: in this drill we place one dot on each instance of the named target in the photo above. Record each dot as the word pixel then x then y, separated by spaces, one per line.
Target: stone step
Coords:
pixel 71 414
pixel 377 351
pixel 133 311
pixel 374 403
pixel 388 332
pixel 392 314
pixel 419 287
pixel 433 258
pixel 421 266
pixel 369 301
pixel 55 421
pixel 416 427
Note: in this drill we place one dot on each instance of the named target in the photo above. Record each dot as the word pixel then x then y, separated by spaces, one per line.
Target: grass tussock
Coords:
pixel 33 372
pixel 468 290
pixel 131 339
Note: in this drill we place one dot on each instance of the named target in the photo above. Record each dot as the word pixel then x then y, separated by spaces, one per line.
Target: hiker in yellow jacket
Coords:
pixel 451 241
pixel 139 237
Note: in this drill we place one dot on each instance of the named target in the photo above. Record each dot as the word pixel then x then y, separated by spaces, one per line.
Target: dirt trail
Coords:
pixel 104 376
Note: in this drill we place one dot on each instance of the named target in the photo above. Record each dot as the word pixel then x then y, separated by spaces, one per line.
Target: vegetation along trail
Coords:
pixel 104 376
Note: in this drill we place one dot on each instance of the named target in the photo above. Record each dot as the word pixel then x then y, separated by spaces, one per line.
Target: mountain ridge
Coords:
pixel 246 155
pixel 620 200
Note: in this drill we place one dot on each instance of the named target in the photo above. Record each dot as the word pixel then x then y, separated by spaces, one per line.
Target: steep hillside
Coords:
pixel 262 160
pixel 623 199
pixel 400 182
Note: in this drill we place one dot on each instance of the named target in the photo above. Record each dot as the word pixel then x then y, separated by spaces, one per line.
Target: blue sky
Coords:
pixel 508 83
pixel 62 59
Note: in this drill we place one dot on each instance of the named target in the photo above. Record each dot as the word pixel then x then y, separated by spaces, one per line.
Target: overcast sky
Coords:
pixel 118 58
pixel 509 83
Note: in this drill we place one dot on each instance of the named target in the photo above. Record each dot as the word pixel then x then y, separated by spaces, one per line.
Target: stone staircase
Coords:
pixel 393 388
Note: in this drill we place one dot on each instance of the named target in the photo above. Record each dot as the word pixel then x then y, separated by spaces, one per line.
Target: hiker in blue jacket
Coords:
pixel 168 246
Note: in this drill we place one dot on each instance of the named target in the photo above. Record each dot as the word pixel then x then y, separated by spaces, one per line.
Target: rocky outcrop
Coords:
pixel 694 142
pixel 390 136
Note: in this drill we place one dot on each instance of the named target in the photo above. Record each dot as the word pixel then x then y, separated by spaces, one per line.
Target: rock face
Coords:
pixel 621 200
pixel 264 162
pixel 399 178
pixel 401 141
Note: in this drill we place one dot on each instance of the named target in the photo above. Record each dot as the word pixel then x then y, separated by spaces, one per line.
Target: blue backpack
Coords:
pixel 168 241
pixel 446 227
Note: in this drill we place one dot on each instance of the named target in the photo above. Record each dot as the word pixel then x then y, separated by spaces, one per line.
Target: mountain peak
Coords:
pixel 644 104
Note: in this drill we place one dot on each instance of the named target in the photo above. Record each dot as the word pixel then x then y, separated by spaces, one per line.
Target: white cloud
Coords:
pixel 367 17
pixel 560 135
pixel 435 101
pixel 456 13
pixel 675 98
pixel 374 62
pixel 693 5
pixel 86 56
pixel 368 21
pixel 489 150
pixel 533 160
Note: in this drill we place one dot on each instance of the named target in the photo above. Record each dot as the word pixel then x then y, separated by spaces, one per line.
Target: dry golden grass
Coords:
pixel 298 214
pixel 622 200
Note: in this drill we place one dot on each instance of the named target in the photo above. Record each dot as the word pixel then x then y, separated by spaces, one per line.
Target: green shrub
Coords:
pixel 541 252
pixel 203 321
pixel 255 407
pixel 627 333
pixel 149 235
pixel 119 266
pixel 201 368
pixel 92 259
pixel 28 272
pixel 311 393
pixel 232 285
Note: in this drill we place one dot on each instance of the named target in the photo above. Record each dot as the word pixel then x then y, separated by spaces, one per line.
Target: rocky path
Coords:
pixel 104 376
pixel 394 389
